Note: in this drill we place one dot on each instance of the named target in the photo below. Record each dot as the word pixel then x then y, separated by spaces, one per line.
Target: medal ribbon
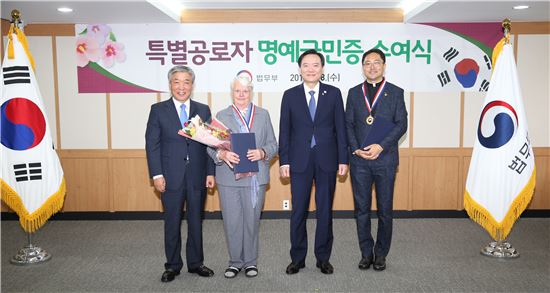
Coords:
pixel 251 113
pixel 376 96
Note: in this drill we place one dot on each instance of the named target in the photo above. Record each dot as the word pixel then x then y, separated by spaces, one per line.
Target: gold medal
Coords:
pixel 370 120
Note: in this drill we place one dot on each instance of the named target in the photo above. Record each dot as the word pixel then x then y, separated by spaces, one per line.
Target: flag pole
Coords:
pixel 29 254
pixel 502 248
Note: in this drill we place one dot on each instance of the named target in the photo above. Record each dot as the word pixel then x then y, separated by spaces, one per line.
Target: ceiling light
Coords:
pixel 65 9
pixel 520 7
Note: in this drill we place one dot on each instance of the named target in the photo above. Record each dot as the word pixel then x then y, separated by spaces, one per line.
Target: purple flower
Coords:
pixel 98 31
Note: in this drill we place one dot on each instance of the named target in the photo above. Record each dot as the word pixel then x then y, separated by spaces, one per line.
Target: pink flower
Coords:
pixel 113 51
pixel 98 31
pixel 87 49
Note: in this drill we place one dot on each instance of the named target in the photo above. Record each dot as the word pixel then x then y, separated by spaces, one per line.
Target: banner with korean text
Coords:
pixel 136 57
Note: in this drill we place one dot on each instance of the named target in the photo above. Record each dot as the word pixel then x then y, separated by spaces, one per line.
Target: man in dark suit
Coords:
pixel 312 147
pixel 374 99
pixel 181 171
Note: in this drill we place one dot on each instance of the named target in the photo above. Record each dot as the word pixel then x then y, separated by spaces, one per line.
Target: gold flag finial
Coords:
pixel 507 26
pixel 15 15
pixel 16 19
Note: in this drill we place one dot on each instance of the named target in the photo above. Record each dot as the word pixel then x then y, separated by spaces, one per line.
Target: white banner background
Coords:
pixel 214 76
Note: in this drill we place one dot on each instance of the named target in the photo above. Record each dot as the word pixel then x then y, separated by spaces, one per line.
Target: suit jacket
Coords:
pixel 297 127
pixel 265 138
pixel 391 106
pixel 167 151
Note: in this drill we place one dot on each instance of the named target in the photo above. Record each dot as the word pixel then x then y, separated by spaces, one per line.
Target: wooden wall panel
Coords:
pixel 87 184
pixel 465 167
pixel 541 198
pixel 427 179
pixel 435 183
pixel 343 196
pixel 212 203
pixel 401 190
pixel 133 190
pixel 279 189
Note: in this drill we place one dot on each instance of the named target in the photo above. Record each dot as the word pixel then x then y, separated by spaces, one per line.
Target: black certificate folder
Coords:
pixel 240 144
pixel 378 131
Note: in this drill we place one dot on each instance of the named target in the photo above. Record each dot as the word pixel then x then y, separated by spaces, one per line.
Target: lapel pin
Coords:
pixel 385 94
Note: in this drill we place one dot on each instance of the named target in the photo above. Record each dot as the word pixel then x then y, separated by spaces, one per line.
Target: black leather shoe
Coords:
pixel 168 275
pixel 365 263
pixel 379 263
pixel 326 267
pixel 293 268
pixel 202 271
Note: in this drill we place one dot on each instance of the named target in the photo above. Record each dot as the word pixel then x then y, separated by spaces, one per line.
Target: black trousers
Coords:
pixel 363 176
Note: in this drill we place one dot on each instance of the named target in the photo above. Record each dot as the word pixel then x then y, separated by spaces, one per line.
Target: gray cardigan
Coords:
pixel 265 139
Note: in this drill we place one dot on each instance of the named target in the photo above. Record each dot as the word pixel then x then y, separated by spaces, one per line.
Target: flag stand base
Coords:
pixel 500 249
pixel 30 254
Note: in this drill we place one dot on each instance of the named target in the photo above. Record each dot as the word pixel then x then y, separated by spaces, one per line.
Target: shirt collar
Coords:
pixel 178 104
pixel 316 89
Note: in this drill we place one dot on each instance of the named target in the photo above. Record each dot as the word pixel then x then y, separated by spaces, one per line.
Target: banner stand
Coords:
pixel 30 254
pixel 500 249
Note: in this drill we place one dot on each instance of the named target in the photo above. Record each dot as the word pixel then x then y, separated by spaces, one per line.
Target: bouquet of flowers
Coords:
pixel 214 134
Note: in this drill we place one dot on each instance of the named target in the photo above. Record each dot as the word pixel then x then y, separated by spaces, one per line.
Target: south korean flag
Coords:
pixel 32 178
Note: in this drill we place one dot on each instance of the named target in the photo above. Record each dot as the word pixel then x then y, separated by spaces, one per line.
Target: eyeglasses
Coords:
pixel 375 64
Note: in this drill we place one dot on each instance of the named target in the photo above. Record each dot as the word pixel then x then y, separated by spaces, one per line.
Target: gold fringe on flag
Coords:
pixel 499 231
pixel 32 222
pixel 22 39
pixel 497 50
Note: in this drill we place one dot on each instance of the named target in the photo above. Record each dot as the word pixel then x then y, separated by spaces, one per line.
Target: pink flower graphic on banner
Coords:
pixel 97 42
pixel 87 49
pixel 98 31
pixel 113 51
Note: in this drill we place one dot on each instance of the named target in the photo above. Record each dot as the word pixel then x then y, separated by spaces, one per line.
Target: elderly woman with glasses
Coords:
pixel 242 199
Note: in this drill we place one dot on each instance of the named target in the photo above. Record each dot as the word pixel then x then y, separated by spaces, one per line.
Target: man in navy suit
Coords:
pixel 374 99
pixel 181 171
pixel 312 147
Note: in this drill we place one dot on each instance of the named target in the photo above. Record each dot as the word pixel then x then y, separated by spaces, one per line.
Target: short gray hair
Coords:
pixel 243 81
pixel 181 68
